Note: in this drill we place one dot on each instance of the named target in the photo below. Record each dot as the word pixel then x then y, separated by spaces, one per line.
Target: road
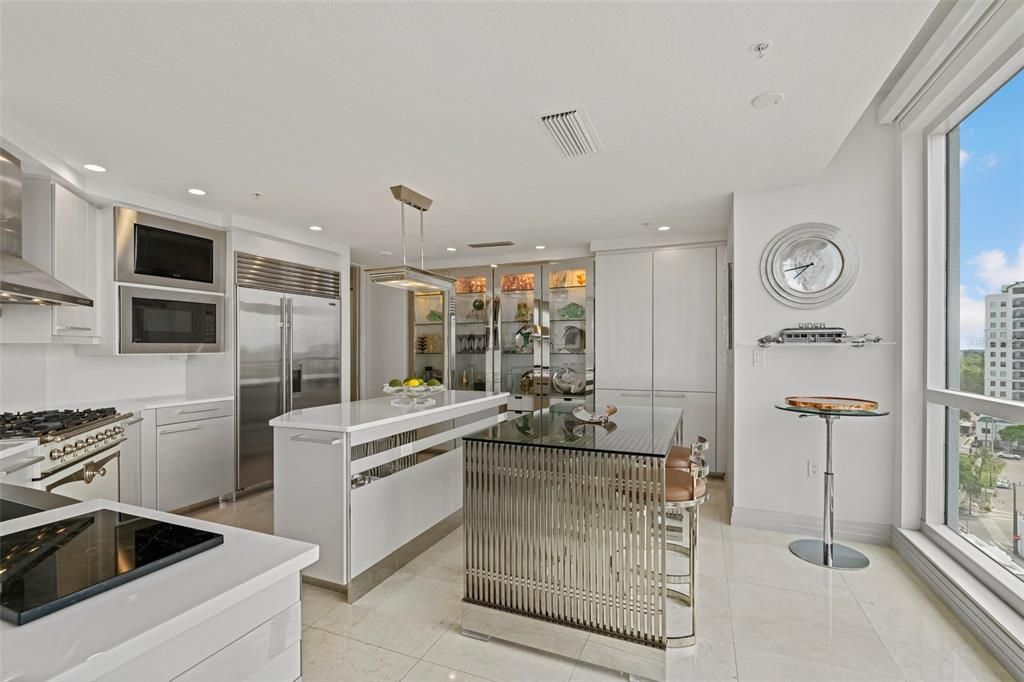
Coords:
pixel 996 526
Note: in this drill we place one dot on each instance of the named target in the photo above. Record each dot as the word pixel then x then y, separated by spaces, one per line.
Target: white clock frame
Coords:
pixel 774 279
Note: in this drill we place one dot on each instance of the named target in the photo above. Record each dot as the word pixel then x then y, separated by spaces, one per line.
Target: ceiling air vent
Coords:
pixel 489 245
pixel 572 133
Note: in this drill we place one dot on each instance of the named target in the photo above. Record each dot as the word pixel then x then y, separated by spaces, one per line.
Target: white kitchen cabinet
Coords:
pixel 623 319
pixel 130 462
pixel 195 462
pixel 661 336
pixel 74 261
pixel 620 398
pixel 699 418
pixel 685 320
pixel 59 237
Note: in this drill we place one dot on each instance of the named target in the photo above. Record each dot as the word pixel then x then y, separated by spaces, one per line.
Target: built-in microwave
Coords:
pixel 155 320
pixel 160 251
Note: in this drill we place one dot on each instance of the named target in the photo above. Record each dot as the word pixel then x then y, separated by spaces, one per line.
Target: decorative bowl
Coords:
pixel 413 396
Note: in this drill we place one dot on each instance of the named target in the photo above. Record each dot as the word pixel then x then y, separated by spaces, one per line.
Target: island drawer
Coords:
pixel 187 413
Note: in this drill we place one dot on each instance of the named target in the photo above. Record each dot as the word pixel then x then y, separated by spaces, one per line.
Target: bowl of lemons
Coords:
pixel 413 391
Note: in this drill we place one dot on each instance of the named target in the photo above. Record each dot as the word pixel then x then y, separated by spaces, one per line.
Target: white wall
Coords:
pixel 858 193
pixel 38 376
pixel 384 337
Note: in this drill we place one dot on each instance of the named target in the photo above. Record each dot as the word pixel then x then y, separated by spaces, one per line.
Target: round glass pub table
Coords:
pixel 826 552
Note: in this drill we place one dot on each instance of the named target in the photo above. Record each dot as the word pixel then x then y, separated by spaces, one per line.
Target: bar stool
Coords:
pixel 679 456
pixel 685 492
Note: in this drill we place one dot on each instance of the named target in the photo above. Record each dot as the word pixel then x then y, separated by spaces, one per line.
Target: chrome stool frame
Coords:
pixel 698 470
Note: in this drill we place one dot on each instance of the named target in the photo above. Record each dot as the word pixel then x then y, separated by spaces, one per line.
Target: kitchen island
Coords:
pixel 231 612
pixel 373 484
pixel 565 535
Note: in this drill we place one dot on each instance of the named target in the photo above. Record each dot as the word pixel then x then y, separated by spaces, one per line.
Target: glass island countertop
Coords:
pixel 648 431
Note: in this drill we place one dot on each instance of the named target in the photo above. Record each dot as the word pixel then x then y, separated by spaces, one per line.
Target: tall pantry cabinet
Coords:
pixel 661 336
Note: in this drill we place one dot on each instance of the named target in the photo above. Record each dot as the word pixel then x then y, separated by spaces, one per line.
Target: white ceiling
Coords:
pixel 322 106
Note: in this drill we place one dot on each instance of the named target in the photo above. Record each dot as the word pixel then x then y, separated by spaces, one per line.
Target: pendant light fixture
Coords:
pixel 406 276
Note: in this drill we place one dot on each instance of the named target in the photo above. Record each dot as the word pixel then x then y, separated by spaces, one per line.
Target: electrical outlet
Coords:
pixel 760 358
pixel 812 469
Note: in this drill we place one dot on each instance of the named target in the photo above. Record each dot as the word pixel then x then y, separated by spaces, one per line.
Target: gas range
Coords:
pixel 65 436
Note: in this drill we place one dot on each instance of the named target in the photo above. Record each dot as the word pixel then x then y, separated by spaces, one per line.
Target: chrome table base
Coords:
pixel 839 557
pixel 826 552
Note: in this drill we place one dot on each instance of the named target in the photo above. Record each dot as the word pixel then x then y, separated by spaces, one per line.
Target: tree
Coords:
pixel 1012 434
pixel 985 459
pixel 970 483
pixel 972 371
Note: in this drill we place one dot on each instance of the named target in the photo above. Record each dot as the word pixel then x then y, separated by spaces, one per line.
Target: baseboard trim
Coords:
pixel 954 585
pixel 800 524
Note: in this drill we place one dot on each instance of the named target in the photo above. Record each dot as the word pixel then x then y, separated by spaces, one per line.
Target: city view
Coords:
pixel 986 156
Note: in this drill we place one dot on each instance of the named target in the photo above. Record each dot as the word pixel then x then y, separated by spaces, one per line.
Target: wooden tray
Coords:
pixel 825 402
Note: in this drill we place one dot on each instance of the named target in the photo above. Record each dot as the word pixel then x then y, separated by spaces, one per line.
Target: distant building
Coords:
pixel 987 431
pixel 1004 343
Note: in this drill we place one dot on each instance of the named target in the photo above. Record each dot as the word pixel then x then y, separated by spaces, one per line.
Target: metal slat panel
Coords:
pixel 571 538
pixel 260 272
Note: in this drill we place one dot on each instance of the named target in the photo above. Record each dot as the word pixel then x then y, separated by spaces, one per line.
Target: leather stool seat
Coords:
pixel 679 486
pixel 679 457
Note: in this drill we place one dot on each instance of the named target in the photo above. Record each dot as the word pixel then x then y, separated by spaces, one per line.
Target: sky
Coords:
pixel 991 204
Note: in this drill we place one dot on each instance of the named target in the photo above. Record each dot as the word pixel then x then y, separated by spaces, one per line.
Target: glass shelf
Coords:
pixel 427 324
pixel 569 319
pixel 576 286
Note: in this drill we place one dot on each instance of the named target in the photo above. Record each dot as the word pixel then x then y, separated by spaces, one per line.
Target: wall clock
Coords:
pixel 809 265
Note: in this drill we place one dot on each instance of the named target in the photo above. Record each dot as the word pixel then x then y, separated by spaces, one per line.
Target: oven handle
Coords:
pixel 88 472
pixel 114 444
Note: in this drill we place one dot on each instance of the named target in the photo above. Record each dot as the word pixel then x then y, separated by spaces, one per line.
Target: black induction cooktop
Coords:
pixel 52 566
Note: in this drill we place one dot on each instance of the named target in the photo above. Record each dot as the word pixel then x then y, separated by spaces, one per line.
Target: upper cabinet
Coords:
pixel 74 261
pixel 59 237
pixel 623 317
pixel 685 320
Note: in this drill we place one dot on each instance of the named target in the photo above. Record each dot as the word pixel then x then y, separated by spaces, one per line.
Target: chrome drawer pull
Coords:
pixel 205 409
pixel 301 438
pixel 191 428
pixel 73 328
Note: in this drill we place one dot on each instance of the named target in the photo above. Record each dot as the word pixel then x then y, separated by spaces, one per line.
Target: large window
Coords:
pixel 985 327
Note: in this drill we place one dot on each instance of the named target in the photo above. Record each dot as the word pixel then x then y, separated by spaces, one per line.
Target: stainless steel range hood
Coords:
pixel 20 281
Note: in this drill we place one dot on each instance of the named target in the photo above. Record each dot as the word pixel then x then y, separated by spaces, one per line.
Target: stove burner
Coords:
pixel 49 422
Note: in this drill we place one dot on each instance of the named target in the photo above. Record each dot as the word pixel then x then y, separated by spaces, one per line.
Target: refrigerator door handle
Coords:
pixel 289 388
pixel 285 334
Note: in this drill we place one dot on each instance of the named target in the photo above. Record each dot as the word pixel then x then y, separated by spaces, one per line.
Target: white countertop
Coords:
pixel 364 414
pixel 99 634
pixel 9 448
pixel 136 405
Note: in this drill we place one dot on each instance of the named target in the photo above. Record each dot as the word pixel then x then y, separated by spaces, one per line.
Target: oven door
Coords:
pixel 96 478
pixel 163 321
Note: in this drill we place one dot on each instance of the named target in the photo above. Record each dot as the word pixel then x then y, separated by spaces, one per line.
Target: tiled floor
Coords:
pixel 765 615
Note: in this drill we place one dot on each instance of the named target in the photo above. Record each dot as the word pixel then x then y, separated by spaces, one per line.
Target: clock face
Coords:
pixel 811 265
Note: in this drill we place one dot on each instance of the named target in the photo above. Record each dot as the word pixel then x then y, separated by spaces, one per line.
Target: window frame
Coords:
pixel 942 320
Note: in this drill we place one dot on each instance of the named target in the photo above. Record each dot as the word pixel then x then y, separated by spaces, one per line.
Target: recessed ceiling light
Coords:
pixel 768 99
pixel 385 253
pixel 315 228
pixel 494 265
pixel 450 248
pixel 94 167
pixel 196 191
pixel 540 246
pixel 664 228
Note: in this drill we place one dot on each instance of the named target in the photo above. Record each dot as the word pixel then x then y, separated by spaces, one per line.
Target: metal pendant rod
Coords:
pixel 403 234
pixel 421 242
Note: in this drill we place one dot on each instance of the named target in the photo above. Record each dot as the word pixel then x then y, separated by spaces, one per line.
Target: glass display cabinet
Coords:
pixel 431 328
pixel 526 329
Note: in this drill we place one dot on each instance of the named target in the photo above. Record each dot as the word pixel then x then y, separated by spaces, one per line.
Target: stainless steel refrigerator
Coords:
pixel 287 345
